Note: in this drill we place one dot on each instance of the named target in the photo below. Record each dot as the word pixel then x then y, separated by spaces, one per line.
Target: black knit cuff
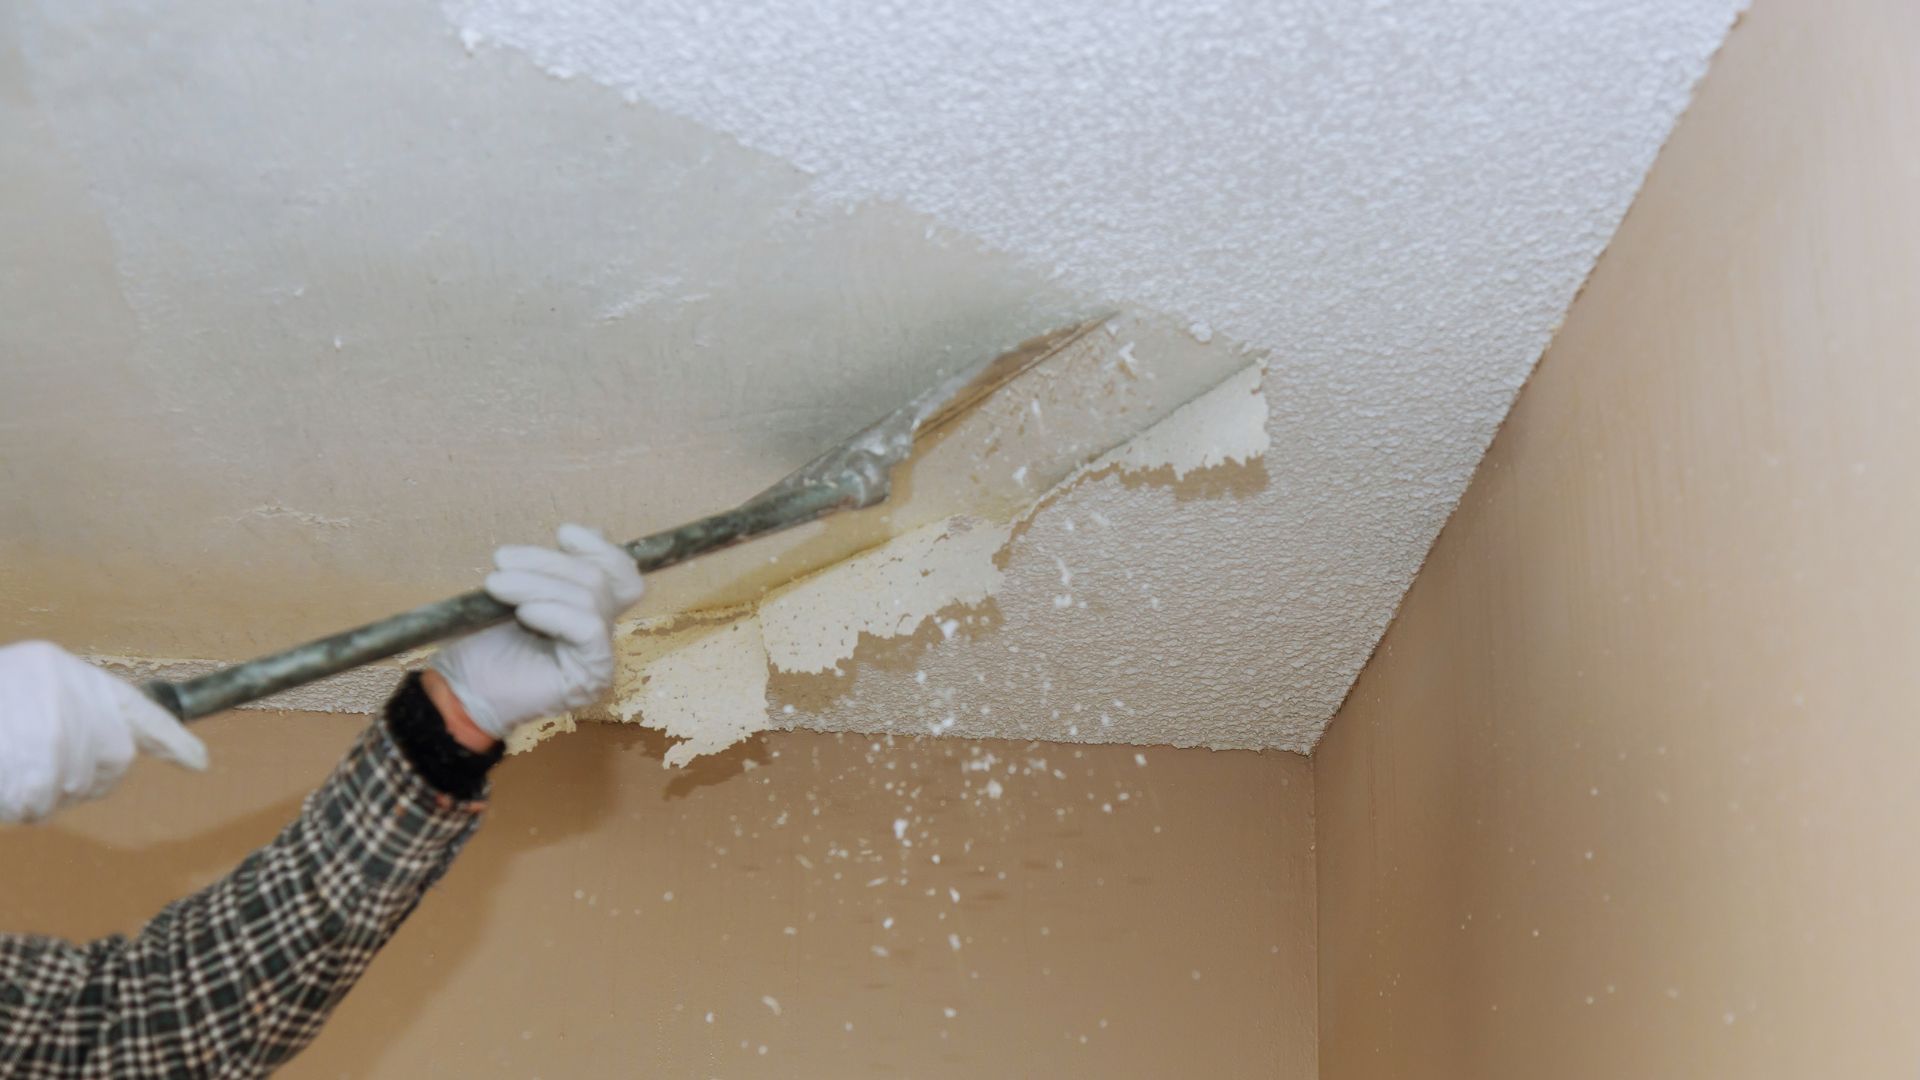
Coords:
pixel 421 734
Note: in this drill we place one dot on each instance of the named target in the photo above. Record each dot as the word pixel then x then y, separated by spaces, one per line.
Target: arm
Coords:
pixel 236 979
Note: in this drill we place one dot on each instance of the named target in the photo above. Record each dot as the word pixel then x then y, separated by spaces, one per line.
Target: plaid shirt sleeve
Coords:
pixel 236 979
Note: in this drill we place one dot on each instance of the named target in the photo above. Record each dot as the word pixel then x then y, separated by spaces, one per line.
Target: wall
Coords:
pixel 1170 935
pixel 1628 788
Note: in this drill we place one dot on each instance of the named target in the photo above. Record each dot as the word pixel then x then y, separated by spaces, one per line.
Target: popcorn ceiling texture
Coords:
pixel 458 300
pixel 362 690
pixel 1398 199
pixel 1402 193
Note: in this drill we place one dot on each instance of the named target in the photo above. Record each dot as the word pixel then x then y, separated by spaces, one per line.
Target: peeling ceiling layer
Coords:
pixel 304 309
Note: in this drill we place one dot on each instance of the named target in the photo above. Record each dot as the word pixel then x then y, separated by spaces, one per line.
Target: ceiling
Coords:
pixel 305 308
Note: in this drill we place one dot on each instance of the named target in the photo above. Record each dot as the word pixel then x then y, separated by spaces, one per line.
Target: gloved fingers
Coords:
pixel 585 653
pixel 154 730
pixel 28 805
pixel 109 756
pixel 570 624
pixel 49 730
pixel 522 587
pixel 551 563
pixel 611 558
pixel 95 747
pixel 71 730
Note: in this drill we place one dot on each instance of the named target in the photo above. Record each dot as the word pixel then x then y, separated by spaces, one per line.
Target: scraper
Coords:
pixel 853 475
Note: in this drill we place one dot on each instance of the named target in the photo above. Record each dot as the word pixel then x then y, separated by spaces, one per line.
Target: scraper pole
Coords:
pixel 854 475
pixel 782 507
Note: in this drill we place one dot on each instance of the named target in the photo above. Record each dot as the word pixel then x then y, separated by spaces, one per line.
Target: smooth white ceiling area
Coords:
pixel 305 308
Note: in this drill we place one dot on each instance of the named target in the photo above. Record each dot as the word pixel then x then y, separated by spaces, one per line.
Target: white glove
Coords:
pixel 68 731
pixel 558 654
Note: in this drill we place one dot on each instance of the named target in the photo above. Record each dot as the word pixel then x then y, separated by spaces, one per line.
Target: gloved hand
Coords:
pixel 68 731
pixel 558 653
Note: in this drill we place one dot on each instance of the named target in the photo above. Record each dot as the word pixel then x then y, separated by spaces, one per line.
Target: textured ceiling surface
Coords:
pixel 306 308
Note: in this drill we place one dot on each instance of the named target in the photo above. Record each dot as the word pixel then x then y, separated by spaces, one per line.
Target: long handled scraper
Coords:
pixel 854 475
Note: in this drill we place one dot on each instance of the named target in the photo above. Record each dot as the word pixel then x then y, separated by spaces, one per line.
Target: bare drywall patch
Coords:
pixel 528 736
pixel 707 688
pixel 815 623
pixel 1226 424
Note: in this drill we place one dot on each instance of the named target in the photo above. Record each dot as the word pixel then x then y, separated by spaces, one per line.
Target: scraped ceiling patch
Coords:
pixel 815 623
pixel 709 691
pixel 703 680
pixel 1226 424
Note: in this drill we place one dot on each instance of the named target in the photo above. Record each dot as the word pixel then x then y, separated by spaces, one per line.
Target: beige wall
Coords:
pixel 1174 933
pixel 1629 788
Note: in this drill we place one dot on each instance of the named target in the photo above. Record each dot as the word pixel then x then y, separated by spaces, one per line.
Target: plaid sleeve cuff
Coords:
pixel 421 733
pixel 381 832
